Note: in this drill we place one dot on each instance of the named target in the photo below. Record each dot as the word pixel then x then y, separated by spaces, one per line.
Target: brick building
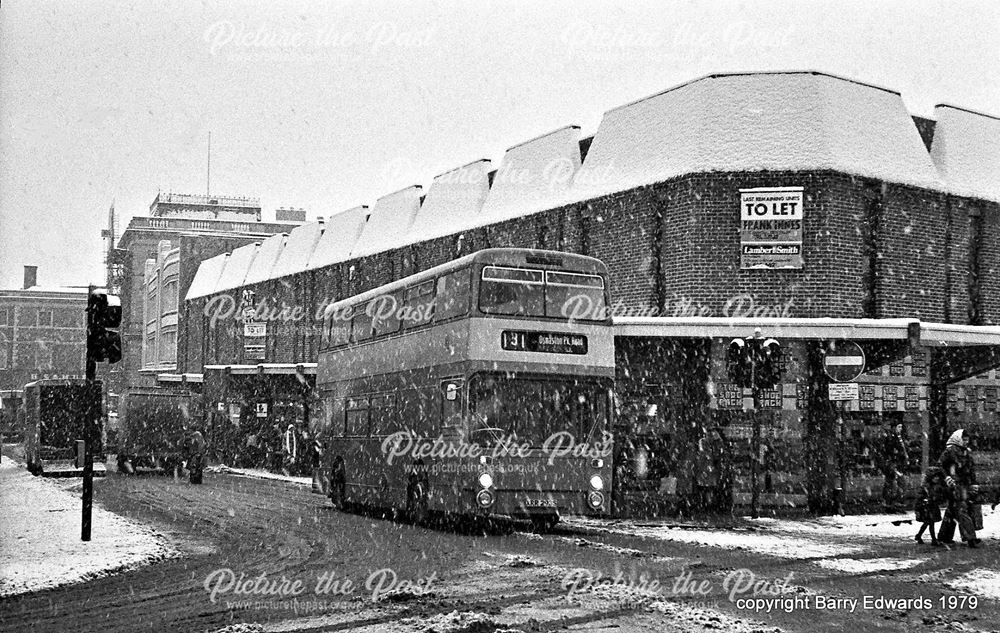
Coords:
pixel 42 332
pixel 155 261
pixel 895 242
pixel 42 335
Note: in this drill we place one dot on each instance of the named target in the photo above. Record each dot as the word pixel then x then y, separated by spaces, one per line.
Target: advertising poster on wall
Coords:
pixel 771 228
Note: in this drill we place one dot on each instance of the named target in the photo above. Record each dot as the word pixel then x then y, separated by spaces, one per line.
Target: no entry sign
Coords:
pixel 844 361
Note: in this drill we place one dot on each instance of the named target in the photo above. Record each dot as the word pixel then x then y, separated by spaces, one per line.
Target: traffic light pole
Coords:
pixel 755 363
pixel 88 458
pixel 88 449
pixel 104 315
pixel 842 461
pixel 755 447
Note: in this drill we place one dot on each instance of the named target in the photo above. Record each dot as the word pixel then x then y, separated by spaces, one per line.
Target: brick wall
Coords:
pixel 989 265
pixel 869 249
pixel 912 265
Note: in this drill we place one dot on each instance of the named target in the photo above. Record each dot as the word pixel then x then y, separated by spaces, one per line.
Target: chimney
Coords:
pixel 30 276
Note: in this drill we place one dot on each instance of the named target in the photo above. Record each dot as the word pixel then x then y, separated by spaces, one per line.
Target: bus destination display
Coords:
pixel 548 342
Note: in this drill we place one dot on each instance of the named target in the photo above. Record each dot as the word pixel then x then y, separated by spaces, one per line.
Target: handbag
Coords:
pixel 976 513
pixel 946 533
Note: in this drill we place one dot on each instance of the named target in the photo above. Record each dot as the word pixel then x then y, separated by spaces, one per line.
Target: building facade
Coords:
pixel 813 207
pixel 42 333
pixel 154 263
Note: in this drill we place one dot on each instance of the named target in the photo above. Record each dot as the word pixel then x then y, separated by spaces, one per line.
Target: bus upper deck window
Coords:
pixel 518 291
pixel 384 311
pixel 361 326
pixel 340 327
pixel 418 305
pixel 340 333
pixel 574 296
pixel 452 297
pixel 324 339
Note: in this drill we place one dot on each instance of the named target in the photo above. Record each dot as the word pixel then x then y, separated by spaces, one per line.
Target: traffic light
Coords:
pixel 754 363
pixel 769 369
pixel 738 362
pixel 104 315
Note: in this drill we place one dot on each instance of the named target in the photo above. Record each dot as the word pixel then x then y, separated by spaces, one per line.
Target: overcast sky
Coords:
pixel 326 105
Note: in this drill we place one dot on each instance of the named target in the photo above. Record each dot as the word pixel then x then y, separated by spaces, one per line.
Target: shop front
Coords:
pixel 691 440
pixel 262 416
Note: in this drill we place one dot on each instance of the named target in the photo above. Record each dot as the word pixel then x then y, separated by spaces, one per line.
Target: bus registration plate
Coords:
pixel 540 503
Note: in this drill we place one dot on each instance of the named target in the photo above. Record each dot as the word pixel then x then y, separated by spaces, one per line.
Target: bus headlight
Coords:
pixel 595 499
pixel 485 480
pixel 485 498
pixel 596 482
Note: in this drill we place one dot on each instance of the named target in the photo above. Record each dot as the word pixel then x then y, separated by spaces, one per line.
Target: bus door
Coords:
pixel 452 420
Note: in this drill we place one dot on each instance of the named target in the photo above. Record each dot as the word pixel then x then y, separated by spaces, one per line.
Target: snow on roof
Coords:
pixel 754 122
pixel 389 223
pixel 966 150
pixel 453 203
pixel 268 253
pixel 235 272
pixel 533 176
pixel 340 234
pixel 53 289
pixel 298 249
pixel 207 277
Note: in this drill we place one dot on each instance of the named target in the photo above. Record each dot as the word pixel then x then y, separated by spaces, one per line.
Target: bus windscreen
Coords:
pixel 533 409
pixel 538 293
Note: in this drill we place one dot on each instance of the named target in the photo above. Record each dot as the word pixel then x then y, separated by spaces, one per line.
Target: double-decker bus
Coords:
pixel 482 386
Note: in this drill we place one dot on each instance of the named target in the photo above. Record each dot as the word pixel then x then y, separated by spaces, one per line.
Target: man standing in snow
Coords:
pixel 894 460
pixel 195 455
pixel 960 475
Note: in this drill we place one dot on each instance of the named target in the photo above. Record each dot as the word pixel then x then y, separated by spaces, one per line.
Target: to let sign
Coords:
pixel 844 361
pixel 771 227
pixel 254 329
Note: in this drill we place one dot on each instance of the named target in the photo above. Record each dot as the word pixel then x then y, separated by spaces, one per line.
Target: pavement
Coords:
pixel 40 535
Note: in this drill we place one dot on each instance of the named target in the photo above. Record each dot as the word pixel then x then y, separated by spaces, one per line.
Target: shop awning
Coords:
pixel 957 351
pixel 307 369
pixel 180 378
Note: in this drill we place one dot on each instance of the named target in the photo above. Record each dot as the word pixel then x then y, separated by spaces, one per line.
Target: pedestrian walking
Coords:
pixel 706 480
pixel 195 457
pixel 928 505
pixel 960 477
pixel 893 462
pixel 290 450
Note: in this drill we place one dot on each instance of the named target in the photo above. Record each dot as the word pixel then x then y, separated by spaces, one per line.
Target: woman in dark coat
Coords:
pixel 960 476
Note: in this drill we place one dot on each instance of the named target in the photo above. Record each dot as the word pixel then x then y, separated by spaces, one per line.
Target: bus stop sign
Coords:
pixel 844 361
